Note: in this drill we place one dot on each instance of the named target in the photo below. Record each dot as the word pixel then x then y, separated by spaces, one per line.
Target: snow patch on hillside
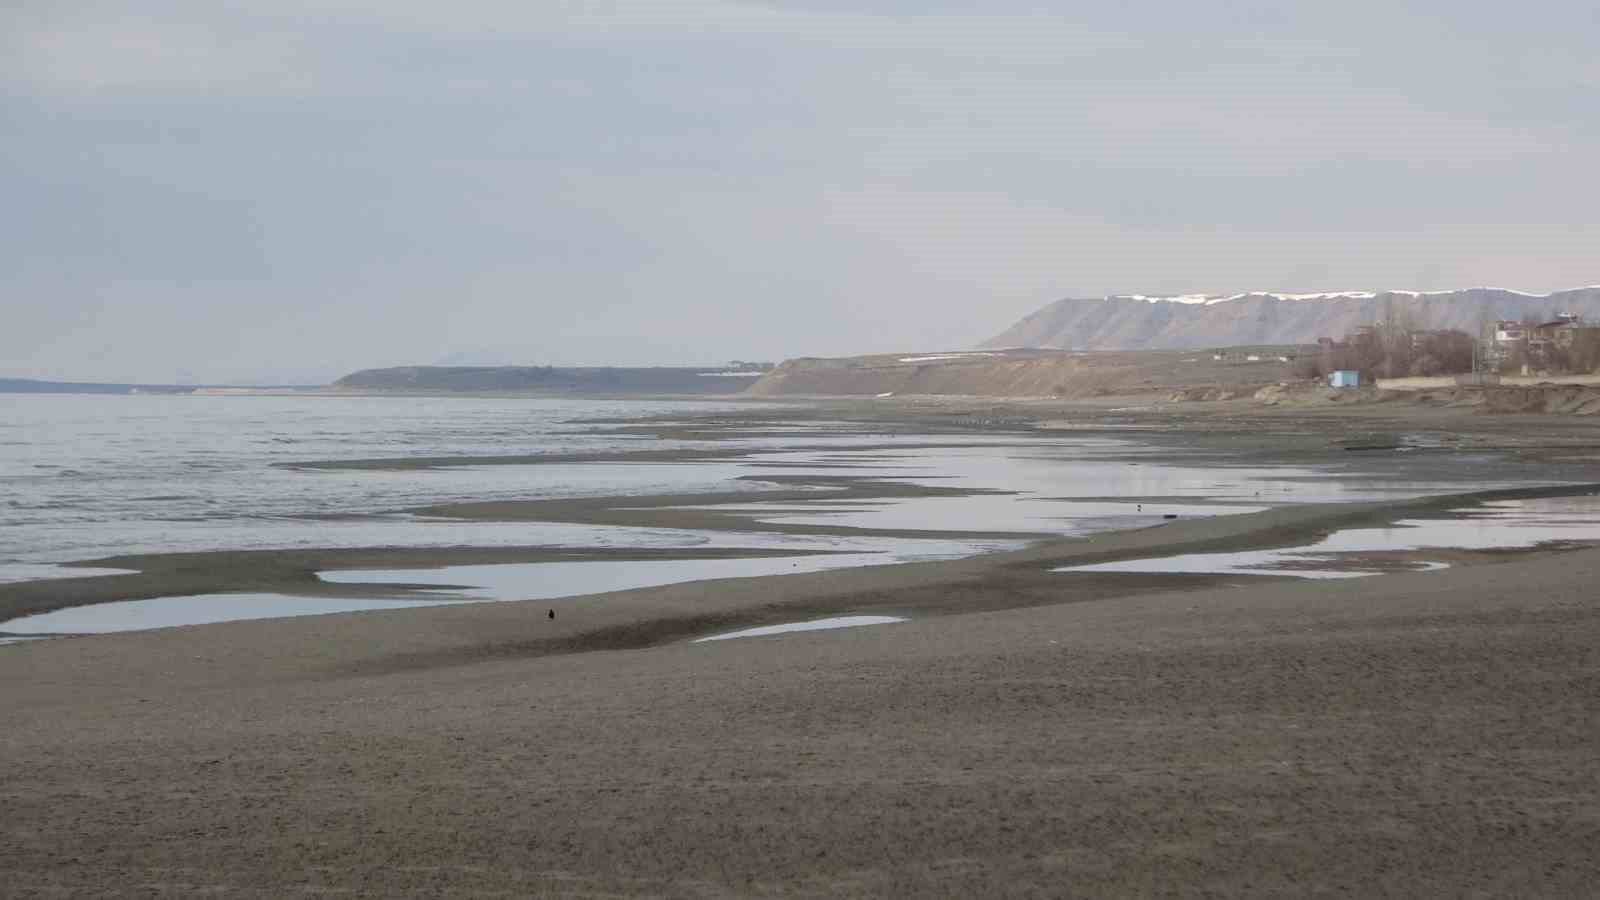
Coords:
pixel 1214 299
pixel 965 354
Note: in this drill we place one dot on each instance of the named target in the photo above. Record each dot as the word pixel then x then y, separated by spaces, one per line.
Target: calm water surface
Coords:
pixel 1505 524
pixel 84 477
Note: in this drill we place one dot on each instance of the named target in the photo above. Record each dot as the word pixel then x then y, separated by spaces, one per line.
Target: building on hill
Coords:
pixel 1566 343
pixel 1560 332
pixel 1507 331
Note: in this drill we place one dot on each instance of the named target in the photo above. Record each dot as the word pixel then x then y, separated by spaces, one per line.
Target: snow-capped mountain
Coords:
pixel 1139 321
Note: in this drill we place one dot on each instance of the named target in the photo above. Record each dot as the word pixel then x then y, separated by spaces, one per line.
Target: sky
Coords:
pixel 247 192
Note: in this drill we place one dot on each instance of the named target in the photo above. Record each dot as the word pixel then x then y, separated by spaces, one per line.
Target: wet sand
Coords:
pixel 1408 734
pixel 295 571
pixel 1500 452
pixel 1026 732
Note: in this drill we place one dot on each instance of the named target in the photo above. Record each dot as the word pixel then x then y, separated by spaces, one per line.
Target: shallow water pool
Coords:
pixel 1505 524
pixel 812 625
pixel 200 609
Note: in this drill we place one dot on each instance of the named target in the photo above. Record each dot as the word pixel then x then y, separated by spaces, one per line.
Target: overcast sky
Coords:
pixel 289 190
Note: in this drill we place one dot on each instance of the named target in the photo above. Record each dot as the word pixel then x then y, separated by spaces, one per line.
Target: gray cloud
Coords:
pixel 289 190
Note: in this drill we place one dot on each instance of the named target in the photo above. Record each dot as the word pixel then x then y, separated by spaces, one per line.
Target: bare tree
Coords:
pixel 1584 354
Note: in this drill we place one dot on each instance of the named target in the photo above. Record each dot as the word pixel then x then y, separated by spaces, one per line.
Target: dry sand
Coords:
pixel 1406 734
pixel 1026 733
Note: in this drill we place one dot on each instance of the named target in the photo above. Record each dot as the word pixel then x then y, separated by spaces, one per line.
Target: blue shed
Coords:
pixel 1344 378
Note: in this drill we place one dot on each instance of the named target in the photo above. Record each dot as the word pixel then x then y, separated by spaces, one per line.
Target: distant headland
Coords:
pixel 730 379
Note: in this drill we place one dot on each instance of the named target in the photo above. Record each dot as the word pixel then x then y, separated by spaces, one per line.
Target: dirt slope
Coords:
pixel 1023 373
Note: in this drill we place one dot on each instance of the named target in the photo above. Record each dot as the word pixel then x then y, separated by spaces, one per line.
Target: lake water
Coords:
pixel 85 477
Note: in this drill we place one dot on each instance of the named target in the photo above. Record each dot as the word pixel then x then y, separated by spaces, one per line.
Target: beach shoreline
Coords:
pixel 1024 731
pixel 295 572
pixel 1286 735
pixel 1504 449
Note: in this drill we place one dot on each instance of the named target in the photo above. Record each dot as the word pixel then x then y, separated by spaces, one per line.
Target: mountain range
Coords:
pixel 1141 322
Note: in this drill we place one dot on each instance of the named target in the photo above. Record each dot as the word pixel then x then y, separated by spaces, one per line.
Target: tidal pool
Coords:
pixel 1013 513
pixel 450 584
pixel 1063 487
pixel 10 572
pixel 476 583
pixel 1499 525
pixel 200 609
pixel 812 625
pixel 534 581
pixel 538 581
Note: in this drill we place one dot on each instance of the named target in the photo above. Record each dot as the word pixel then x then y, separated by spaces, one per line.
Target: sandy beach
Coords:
pixel 799 448
pixel 1024 732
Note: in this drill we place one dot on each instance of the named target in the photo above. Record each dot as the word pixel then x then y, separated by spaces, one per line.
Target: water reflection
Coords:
pixel 812 625
pixel 496 582
pixel 201 609
pixel 1503 524
pixel 11 572
pixel 535 581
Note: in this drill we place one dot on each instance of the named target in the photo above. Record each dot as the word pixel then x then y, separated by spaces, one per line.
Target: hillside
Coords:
pixel 1030 373
pixel 545 380
pixel 34 386
pixel 1139 322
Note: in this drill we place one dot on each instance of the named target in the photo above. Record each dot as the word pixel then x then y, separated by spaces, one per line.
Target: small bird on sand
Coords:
pixel 552 614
